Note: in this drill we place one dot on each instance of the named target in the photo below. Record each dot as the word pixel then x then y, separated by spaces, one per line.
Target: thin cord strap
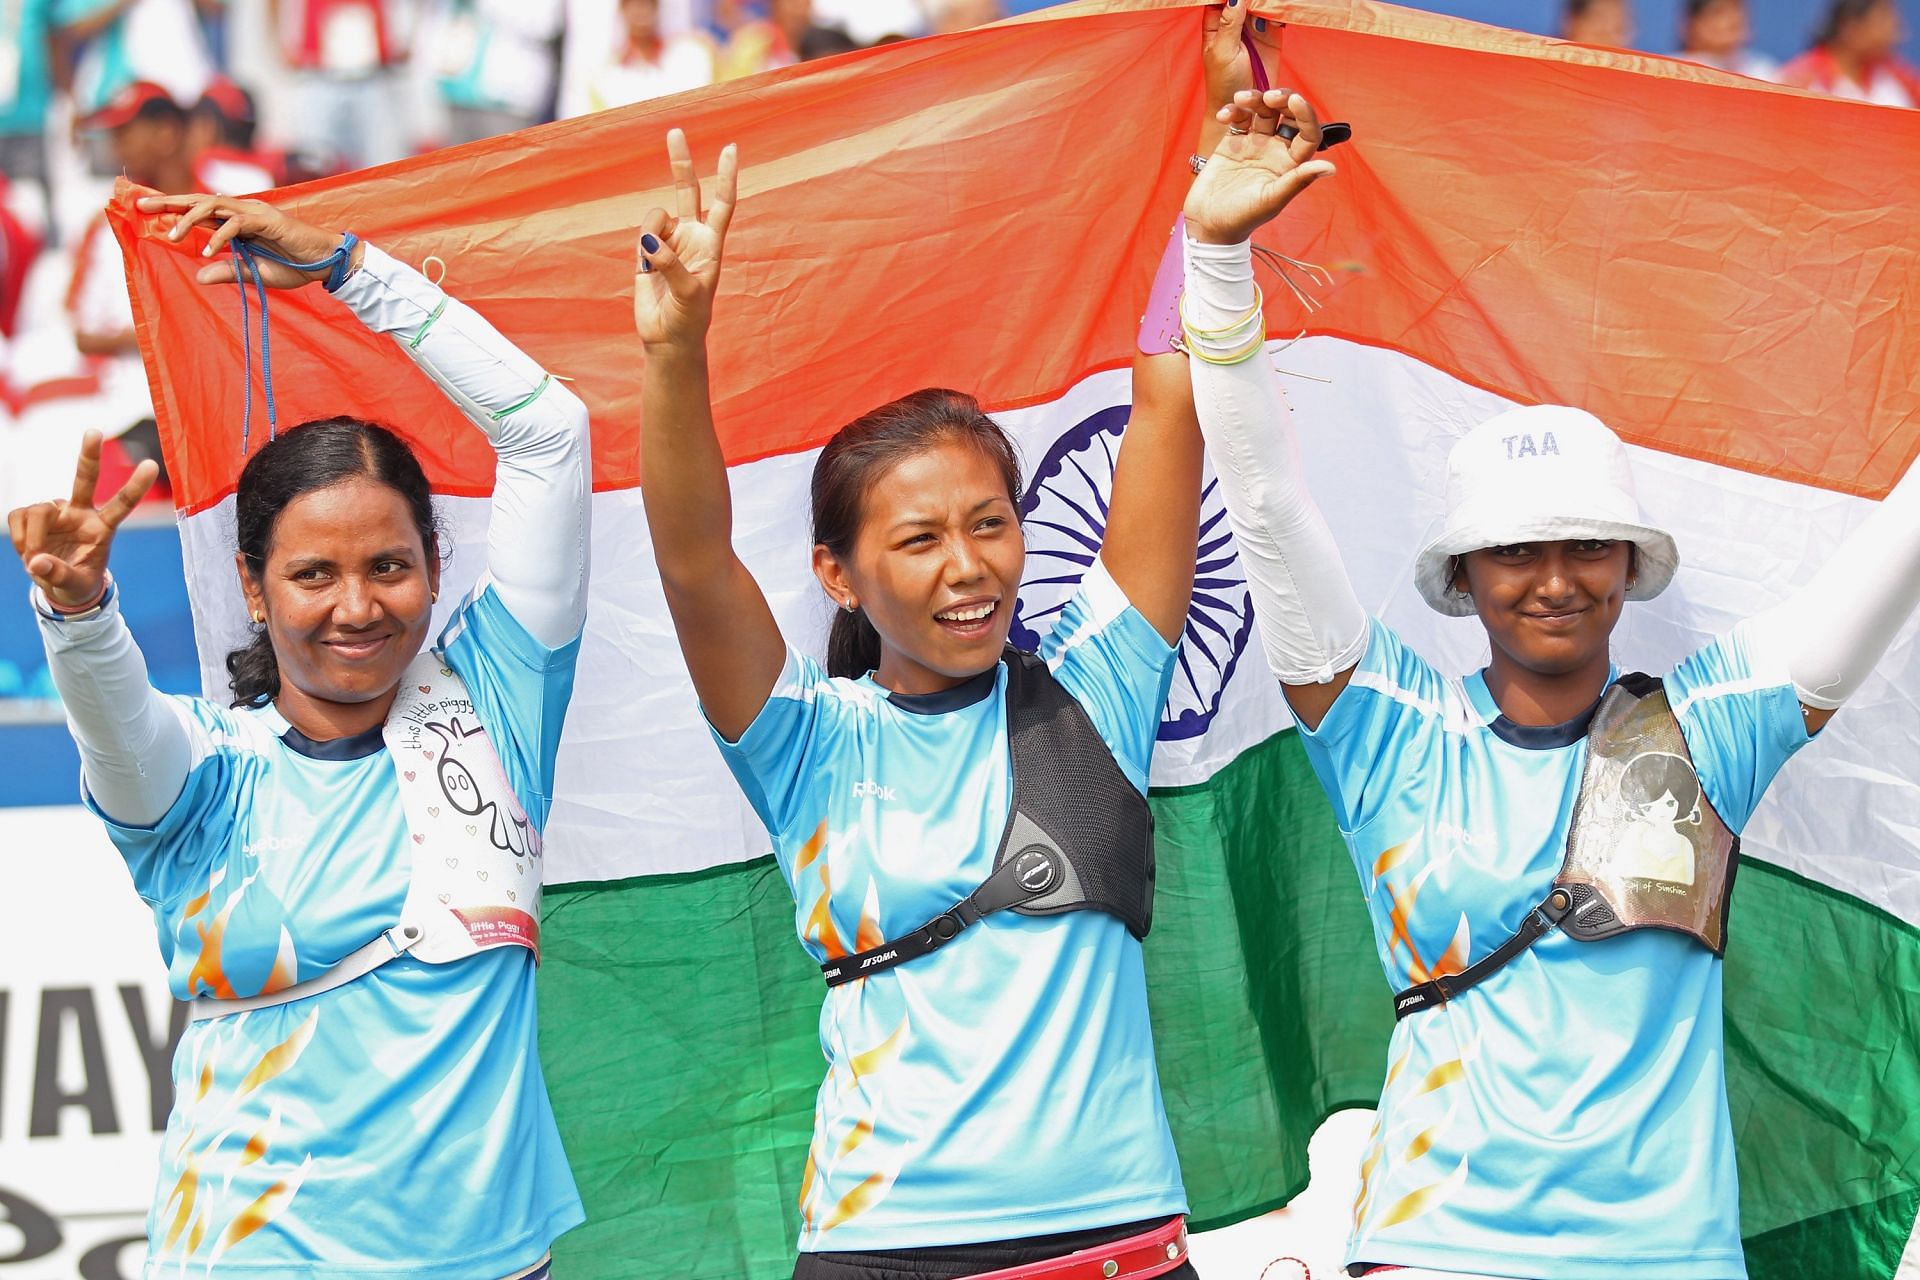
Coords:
pixel 246 254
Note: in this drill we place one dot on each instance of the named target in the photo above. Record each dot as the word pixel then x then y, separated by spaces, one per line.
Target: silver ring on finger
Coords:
pixel 1237 131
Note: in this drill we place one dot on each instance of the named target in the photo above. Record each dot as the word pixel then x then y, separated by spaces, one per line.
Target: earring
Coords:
pixel 434 597
pixel 259 619
pixel 851 606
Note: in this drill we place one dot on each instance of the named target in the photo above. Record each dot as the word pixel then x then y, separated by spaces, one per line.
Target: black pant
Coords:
pixel 955 1262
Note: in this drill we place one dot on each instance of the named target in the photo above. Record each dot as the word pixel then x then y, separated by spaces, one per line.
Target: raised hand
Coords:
pixel 1224 56
pixel 257 221
pixel 1266 159
pixel 679 255
pixel 64 545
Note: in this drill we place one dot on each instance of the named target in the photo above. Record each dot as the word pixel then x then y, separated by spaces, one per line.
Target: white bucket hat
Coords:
pixel 1546 473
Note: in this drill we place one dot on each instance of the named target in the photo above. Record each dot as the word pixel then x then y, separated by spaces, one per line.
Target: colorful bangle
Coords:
pixel 1230 330
pixel 1239 355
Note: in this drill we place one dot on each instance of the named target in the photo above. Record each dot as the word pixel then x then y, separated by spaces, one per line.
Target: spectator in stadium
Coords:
pixel 368 1098
pixel 647 63
pixel 26 94
pixel 778 40
pixel 220 133
pixel 346 57
pixel 148 132
pixel 1716 33
pixel 872 22
pixel 1608 23
pixel 960 15
pixel 127 40
pixel 1853 56
pixel 497 64
pixel 19 246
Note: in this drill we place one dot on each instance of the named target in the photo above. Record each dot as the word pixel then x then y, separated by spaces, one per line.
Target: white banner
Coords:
pixel 86 1045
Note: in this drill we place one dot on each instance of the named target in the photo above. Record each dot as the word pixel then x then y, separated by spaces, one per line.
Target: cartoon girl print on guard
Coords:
pixel 1659 793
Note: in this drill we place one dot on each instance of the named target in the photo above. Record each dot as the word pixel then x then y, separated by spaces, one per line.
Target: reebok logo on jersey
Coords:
pixel 871 791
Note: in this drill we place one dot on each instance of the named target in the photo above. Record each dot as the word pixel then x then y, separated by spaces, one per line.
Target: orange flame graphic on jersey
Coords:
pixel 864 1073
pixel 1379 1161
pixel 819 926
pixel 209 976
pixel 210 1178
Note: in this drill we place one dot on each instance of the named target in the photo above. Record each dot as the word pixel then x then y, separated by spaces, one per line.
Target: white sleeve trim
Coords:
pixel 1105 602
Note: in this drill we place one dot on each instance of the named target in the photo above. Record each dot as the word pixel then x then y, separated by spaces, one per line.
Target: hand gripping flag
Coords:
pixel 1724 271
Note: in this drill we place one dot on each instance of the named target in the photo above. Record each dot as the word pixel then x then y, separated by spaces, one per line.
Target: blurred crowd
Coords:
pixel 242 95
pixel 1851 54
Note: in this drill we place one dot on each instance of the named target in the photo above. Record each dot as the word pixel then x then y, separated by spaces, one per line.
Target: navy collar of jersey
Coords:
pixel 965 694
pixel 355 747
pixel 1532 737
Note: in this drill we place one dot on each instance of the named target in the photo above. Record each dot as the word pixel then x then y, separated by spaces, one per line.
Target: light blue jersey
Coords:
pixel 1568 1116
pixel 280 858
pixel 1004 1086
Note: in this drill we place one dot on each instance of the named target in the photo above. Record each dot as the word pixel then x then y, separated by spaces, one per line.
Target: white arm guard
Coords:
pixel 1835 629
pixel 537 539
pixel 134 751
pixel 1311 622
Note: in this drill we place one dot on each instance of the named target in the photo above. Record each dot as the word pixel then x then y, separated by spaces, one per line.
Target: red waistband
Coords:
pixel 1151 1253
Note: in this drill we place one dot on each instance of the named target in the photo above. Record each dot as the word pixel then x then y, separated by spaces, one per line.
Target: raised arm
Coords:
pixel 1312 627
pixel 1834 630
pixel 1153 516
pixel 135 752
pixel 538 532
pixel 732 644
pixel 1154 513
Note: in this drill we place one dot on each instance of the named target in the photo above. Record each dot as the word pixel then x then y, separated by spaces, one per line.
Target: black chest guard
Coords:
pixel 1078 837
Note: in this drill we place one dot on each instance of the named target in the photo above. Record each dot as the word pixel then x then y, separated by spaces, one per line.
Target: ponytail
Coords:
pixel 853 646
pixel 253 673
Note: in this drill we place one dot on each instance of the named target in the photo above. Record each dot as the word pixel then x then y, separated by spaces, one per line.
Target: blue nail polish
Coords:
pixel 1259 24
pixel 650 244
pixel 645 266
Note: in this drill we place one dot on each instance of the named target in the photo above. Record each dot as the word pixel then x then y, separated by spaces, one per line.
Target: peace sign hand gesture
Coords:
pixel 679 256
pixel 64 545
pixel 1265 160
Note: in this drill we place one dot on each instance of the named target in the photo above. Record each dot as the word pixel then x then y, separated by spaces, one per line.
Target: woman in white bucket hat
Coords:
pixel 1547 845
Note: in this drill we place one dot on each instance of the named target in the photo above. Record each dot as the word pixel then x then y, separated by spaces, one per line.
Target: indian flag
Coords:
pixel 1723 271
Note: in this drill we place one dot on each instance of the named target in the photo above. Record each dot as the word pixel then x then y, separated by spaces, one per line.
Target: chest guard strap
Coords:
pixel 1079 835
pixel 1645 849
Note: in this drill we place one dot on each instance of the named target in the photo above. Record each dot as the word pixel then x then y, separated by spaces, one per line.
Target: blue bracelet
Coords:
pixel 342 259
pixel 54 615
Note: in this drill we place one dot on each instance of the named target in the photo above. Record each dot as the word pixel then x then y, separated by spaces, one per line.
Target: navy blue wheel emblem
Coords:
pixel 1064 513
